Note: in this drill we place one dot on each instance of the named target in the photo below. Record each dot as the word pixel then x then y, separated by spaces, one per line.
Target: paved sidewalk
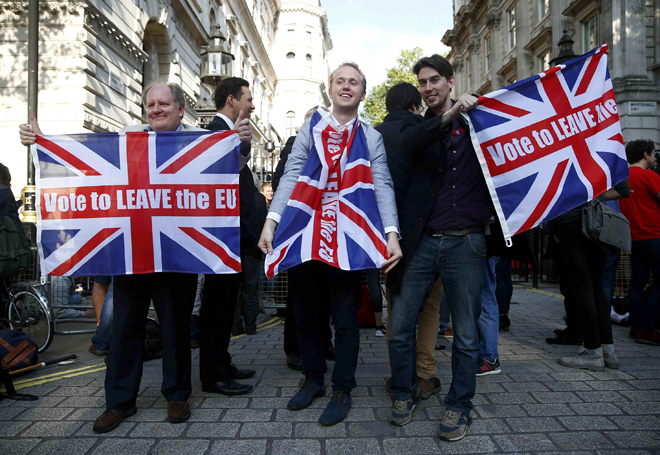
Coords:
pixel 534 406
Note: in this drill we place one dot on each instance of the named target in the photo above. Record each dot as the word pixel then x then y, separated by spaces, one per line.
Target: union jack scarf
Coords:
pixel 332 215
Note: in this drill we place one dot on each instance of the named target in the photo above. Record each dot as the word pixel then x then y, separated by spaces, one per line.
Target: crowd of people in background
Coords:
pixel 442 281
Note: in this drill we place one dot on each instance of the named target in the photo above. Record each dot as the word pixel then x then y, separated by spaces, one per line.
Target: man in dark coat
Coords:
pixel 403 101
pixel 442 228
pixel 233 100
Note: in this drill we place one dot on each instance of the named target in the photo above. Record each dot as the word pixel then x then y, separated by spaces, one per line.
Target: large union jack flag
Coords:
pixel 143 202
pixel 551 142
pixel 332 215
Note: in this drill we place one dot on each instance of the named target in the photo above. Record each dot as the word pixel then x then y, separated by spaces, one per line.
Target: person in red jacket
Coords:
pixel 642 209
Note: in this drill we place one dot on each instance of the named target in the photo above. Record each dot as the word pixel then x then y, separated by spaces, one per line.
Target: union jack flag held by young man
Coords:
pixel 551 142
pixel 332 215
pixel 142 202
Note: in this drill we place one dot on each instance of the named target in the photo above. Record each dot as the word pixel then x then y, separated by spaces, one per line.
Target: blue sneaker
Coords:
pixel 337 409
pixel 454 425
pixel 308 392
pixel 402 411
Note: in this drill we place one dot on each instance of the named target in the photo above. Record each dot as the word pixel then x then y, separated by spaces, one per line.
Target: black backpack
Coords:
pixel 14 248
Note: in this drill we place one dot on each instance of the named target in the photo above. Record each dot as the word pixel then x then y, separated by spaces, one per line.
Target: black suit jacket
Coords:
pixel 252 218
pixel 284 155
pixel 421 140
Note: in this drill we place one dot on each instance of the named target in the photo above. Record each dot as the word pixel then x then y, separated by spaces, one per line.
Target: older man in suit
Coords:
pixel 314 278
pixel 173 295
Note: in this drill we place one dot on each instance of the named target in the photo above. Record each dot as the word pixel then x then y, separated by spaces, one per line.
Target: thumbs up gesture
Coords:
pixel 244 128
pixel 28 133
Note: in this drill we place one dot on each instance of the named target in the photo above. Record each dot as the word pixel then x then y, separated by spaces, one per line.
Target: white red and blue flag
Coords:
pixel 551 142
pixel 143 202
pixel 332 215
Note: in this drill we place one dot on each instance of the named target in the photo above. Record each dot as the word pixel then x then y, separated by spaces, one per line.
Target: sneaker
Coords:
pixel 308 392
pixel 609 357
pixel 486 368
pixel 586 359
pixel 447 334
pixel 402 411
pixel 337 409
pixel 648 336
pixel 381 330
pixel 454 425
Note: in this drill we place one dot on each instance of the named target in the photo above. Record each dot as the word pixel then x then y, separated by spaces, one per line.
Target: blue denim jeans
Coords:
pixel 489 321
pixel 445 315
pixel 103 335
pixel 461 263
pixel 609 275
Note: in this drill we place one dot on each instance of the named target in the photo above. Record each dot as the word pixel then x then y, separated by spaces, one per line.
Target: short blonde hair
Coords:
pixel 354 66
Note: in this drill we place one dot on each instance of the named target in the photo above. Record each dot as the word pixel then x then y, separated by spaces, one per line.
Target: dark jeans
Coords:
pixel 216 317
pixel 247 303
pixel 308 282
pixel 461 263
pixel 291 345
pixel 645 257
pixel 583 263
pixel 173 295
pixel 504 289
pixel 103 336
pixel 375 293
pixel 609 274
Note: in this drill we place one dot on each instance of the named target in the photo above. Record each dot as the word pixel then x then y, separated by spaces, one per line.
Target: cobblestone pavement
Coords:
pixel 534 406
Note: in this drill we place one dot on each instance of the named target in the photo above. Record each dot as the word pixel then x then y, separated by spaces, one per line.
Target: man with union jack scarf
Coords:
pixel 442 229
pixel 316 279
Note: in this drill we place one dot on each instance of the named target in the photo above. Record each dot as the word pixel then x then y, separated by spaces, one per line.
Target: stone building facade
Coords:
pixel 497 42
pixel 96 56
pixel 301 59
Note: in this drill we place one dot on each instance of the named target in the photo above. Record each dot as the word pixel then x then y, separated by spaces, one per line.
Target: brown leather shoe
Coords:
pixel 111 419
pixel 178 411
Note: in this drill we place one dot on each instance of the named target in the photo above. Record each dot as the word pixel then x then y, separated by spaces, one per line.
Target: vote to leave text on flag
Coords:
pixel 142 202
pixel 550 143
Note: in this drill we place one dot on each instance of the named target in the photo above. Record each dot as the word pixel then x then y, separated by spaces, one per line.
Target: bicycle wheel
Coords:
pixel 28 312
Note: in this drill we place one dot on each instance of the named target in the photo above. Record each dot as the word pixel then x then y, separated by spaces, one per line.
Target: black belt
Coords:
pixel 475 229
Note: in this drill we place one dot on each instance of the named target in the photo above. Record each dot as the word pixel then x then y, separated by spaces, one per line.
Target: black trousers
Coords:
pixel 291 345
pixel 309 282
pixel 216 317
pixel 583 264
pixel 173 295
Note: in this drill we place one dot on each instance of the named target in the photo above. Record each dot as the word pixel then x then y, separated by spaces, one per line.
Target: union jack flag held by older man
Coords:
pixel 551 142
pixel 129 203
pixel 332 215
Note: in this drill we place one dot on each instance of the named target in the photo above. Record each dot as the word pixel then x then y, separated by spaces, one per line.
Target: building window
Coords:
pixel 590 33
pixel 309 37
pixel 544 62
pixel 542 9
pixel 290 120
pixel 308 65
pixel 486 54
pixel 511 21
pixel 290 62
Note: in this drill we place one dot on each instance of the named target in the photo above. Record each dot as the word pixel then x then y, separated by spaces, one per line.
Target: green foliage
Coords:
pixel 373 110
